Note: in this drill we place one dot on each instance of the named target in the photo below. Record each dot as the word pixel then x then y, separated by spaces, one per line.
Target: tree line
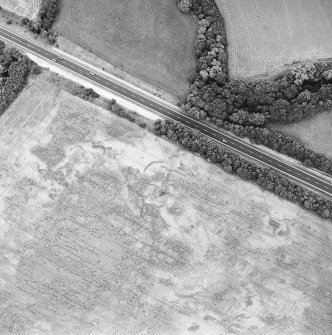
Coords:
pixel 245 108
pixel 266 178
pixel 43 24
pixel 130 115
pixel 14 76
pixel 280 143
pixel 297 94
pixel 85 93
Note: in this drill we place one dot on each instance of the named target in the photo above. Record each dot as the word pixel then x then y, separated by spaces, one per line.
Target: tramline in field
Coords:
pixel 264 35
pixel 24 8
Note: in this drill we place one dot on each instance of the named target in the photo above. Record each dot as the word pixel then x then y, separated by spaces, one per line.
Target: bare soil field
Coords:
pixel 149 39
pixel 107 229
pixel 264 35
pixel 23 8
pixel 316 132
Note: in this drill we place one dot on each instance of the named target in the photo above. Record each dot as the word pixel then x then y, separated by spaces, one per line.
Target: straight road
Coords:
pixel 312 180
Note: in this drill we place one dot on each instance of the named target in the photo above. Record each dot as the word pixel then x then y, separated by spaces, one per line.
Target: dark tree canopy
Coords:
pixel 46 16
pixel 16 69
pixel 245 108
pixel 268 179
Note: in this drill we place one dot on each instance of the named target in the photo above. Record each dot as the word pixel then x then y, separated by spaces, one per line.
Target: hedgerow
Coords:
pixel 85 93
pixel 266 178
pixel 280 143
pixel 46 16
pixel 132 116
pixel 245 108
pixel 285 99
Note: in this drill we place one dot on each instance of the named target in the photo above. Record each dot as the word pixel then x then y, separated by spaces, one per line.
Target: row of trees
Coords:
pixel 297 94
pixel 210 45
pixel 132 116
pixel 266 178
pixel 86 93
pixel 46 16
pixel 244 108
pixel 14 76
pixel 280 143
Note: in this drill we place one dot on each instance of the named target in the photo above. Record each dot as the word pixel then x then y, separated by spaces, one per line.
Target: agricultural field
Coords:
pixel 107 229
pixel 314 132
pixel 151 40
pixel 23 8
pixel 264 35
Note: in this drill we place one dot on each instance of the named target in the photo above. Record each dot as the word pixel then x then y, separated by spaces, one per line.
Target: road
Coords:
pixel 312 180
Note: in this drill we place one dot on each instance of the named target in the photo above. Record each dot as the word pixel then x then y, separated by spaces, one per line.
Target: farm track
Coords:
pixel 23 8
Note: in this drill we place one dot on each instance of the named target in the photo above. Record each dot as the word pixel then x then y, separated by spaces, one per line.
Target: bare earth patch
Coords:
pixel 264 35
pixel 151 40
pixel 316 132
pixel 23 8
pixel 106 229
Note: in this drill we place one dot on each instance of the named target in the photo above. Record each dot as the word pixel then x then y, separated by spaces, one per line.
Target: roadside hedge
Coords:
pixel 245 108
pixel 85 93
pixel 280 143
pixel 130 115
pixel 266 178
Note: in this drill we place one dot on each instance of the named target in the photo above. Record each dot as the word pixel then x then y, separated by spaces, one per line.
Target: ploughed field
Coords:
pixel 24 8
pixel 107 229
pixel 263 35
pixel 151 40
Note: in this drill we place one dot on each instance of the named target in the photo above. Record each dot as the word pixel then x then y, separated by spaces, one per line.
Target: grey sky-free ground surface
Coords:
pixel 264 35
pixel 107 229
pixel 149 39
